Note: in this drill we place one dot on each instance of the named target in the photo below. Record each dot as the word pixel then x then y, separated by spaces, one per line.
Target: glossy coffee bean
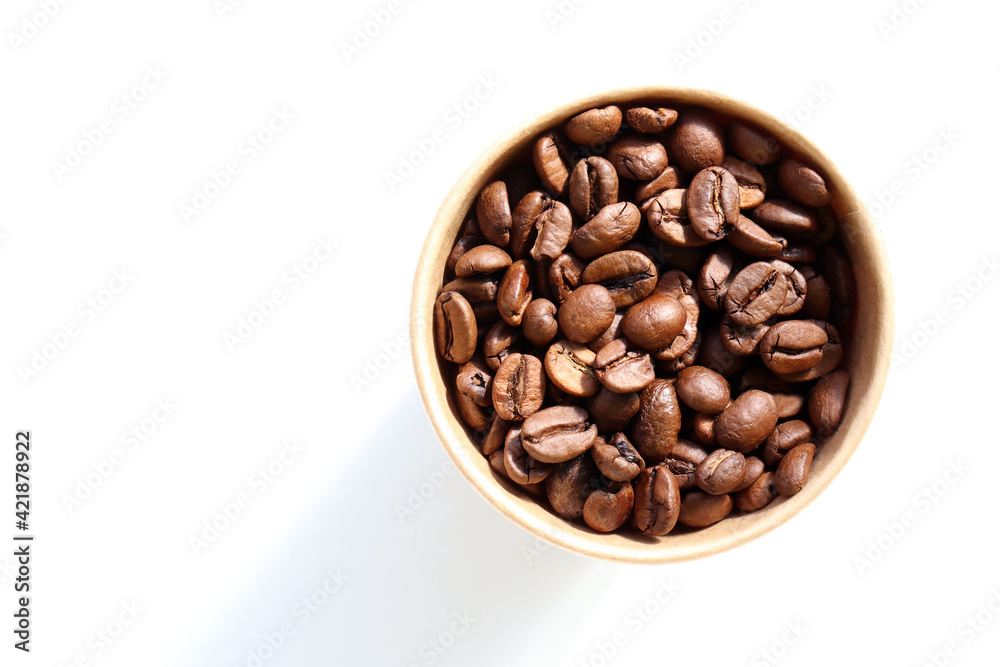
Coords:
pixel 788 404
pixel 713 203
pixel 646 120
pixel 539 322
pixel 683 462
pixel 654 322
pixel 611 412
pixel 750 238
pixel 742 341
pixel 754 469
pixel 826 402
pixel 623 368
pixel 657 501
pixel 816 305
pixel 570 367
pixel 669 179
pixel 752 185
pixel 755 295
pixel 637 157
pixel 515 292
pixel 612 227
pixel 493 213
pixel 686 360
pixel 703 428
pixel 605 511
pixel 703 389
pixel 793 471
pixel 475 380
pixel 594 127
pixel 565 275
pixel 614 331
pixel 783 439
pixel 454 327
pixel 668 218
pixel 463 245
pixel 747 422
pixel 570 484
pixel 586 313
pixel 554 227
pixel 475 289
pixel 518 387
pixel 802 183
pixel 786 218
pixel 696 140
pixel 840 276
pixel 482 259
pixel 629 276
pixel 758 495
pixel 721 472
pixel 524 222
pixel 500 342
pixel 496 434
pixel 617 459
pixel 795 297
pixel 715 276
pixel 520 467
pixel 700 509
pixel 551 158
pixel 558 434
pixel 593 184
pixel 752 144
pixel 656 425
pixel 793 346
pixel 833 352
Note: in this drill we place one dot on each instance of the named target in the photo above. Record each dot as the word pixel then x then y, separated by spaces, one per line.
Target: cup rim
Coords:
pixel 874 361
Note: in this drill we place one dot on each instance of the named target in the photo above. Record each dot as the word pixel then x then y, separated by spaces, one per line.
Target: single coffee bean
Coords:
pixel 570 484
pixel 475 289
pixel 482 259
pixel 713 203
pixel 555 227
pixel 686 360
pixel 826 402
pixel 793 471
pixel 493 212
pixel 497 464
pixel 605 511
pixel 454 327
pixel 645 120
pixel 700 510
pixel 667 216
pixel 518 387
pixel 474 416
pixel 752 144
pixel 520 467
pixel 721 472
pixel 751 182
pixel 524 221
pixel 747 421
pixel 594 127
pixel 755 468
pixel 788 404
pixel 539 322
pixel 683 462
pixel 551 158
pixel 795 297
pixel 755 295
pixel 613 332
pixel 715 276
pixel 462 246
pixel 592 186
pixel 586 313
pixel 657 501
pixel 558 434
pixel 637 157
pixel 499 343
pixel 716 357
pixel 629 276
pixel 833 352
pixel 617 459
pixel 783 439
pixel 496 434
pixel 742 341
pixel 688 336
pixel 817 302
pixel 840 276
pixel 759 495
pixel 802 183
pixel 797 252
pixel 703 428
pixel 608 231
pixel 565 274
pixel 570 366
pixel 655 322
pixel 514 293
pixel 623 368
pixel 787 218
pixel 793 346
pixel 669 179
pixel 750 238
pixel 703 389
pixel 696 140
pixel 475 380
pixel 611 412
pixel 655 427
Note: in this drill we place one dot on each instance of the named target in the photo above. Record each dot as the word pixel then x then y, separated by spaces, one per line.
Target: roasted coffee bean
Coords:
pixel 565 274
pixel 613 332
pixel 795 297
pixel 747 421
pixel 703 389
pixel 751 182
pixel 759 494
pixel 755 468
pixel 752 144
pixel 592 186
pixel 750 238
pixel 742 341
pixel 474 416
pixel 454 327
pixel 520 467
pixel 551 158
pixel 715 276
pixel 840 276
pixel 497 464
pixel 788 404
pixel 677 284
pixel 696 140
pixel 700 509
pixel 608 231
pixel 482 259
pixel 683 462
pixel 715 356
pixel 787 218
pixel 826 402
pixel 686 360
pixel 605 511
pixel 797 252
pixel 669 179
pixel 558 434
pixel 475 380
pixel 721 472
pixel 496 434
pixel 493 212
pixel 755 295
pixel 555 228
pixel 475 289
pixel 586 313
pixel 539 322
pixel 524 222
pixel 783 438
pixel 514 293
pixel 645 120
pixel 518 387
pixel 594 127
pixel 570 366
pixel 657 501
pixel 655 427
pixel 462 246
pixel 637 157
pixel 623 368
pixel 793 471
pixel 713 203
pixel 617 459
pixel 793 346
pixel 667 216
pixel 817 302
pixel 833 352
pixel 802 183
pixel 703 428
pixel 654 322
pixel 499 343
pixel 611 412
pixel 628 275
pixel 570 484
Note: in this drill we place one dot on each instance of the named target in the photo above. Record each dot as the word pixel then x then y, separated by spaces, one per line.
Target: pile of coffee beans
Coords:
pixel 643 321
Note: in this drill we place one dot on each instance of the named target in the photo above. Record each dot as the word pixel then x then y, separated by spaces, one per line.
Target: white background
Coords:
pixel 874 98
